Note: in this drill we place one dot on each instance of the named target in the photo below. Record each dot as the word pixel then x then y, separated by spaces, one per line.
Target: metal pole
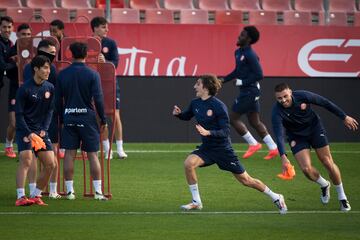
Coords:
pixel 108 11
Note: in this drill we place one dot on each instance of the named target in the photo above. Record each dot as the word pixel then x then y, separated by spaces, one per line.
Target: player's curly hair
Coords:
pixel 253 33
pixel 211 83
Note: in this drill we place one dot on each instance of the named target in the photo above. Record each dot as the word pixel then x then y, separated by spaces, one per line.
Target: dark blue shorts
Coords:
pixel 12 96
pixel 54 130
pixel 224 158
pixel 317 139
pixel 117 92
pixel 246 104
pixel 24 143
pixel 86 135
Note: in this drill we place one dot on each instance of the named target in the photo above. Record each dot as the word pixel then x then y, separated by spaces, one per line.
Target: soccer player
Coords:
pixel 47 48
pixel 248 73
pixel 34 107
pixel 77 87
pixel 57 30
pixel 305 130
pixel 23 30
pixel 109 52
pixel 7 65
pixel 213 126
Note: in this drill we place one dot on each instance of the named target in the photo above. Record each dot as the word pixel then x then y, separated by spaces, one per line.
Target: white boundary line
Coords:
pixel 177 213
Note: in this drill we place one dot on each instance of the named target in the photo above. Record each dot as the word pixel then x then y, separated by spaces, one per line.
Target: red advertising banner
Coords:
pixel 191 50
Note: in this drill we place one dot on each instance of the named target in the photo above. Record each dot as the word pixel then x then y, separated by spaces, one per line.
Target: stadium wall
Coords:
pixel 147 102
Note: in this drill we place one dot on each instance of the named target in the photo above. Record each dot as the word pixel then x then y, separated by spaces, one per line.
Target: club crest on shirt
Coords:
pixel 292 143
pixel 105 50
pixel 47 94
pixel 303 106
pixel 13 101
pixel 242 58
pixel 209 113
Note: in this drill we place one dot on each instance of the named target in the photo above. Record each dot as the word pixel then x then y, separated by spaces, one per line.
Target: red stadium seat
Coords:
pixel 297 18
pixel 50 14
pixel 309 5
pixel 178 4
pixel 357 19
pixel 337 19
pixel 89 13
pixel 144 4
pixel 262 18
pixel 71 4
pixel 10 4
pixel 213 5
pixel 41 4
pixel 245 5
pixel 276 5
pixel 342 6
pixel 159 16
pixel 113 4
pixel 194 16
pixel 125 15
pixel 228 17
pixel 21 14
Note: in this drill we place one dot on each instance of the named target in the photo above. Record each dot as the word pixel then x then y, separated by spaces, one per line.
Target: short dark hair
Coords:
pixel 22 27
pixel 39 61
pixel 6 19
pixel 58 23
pixel 211 83
pixel 79 50
pixel 97 21
pixel 46 43
pixel 281 87
pixel 253 33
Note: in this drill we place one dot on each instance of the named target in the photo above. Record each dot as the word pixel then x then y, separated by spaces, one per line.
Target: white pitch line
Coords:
pixel 177 213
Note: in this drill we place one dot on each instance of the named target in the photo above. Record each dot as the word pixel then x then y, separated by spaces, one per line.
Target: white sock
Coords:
pixel 36 192
pixel 119 146
pixel 97 186
pixel 20 192
pixel 69 186
pixel 249 139
pixel 53 186
pixel 62 150
pixel 8 143
pixel 269 142
pixel 322 181
pixel 194 189
pixel 340 192
pixel 32 187
pixel 106 145
pixel 274 196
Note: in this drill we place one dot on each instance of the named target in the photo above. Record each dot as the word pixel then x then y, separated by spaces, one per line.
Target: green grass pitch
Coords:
pixel 149 186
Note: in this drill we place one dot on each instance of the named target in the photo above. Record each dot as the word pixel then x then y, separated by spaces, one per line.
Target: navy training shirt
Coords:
pixel 212 115
pixel 34 107
pixel 300 119
pixel 247 69
pixel 110 51
pixel 77 86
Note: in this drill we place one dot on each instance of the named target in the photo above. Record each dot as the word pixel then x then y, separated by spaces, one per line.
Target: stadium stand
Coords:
pixel 50 14
pixel 21 14
pixel 159 16
pixel 41 4
pixel 124 15
pixel 178 4
pixel 144 4
pixel 245 5
pixel 213 5
pixel 10 4
pixel 315 6
pixel 357 19
pixel 342 6
pixel 262 17
pixel 71 4
pixel 228 17
pixel 194 16
pixel 337 19
pixel 113 4
pixel 89 13
pixel 276 5
pixel 297 18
